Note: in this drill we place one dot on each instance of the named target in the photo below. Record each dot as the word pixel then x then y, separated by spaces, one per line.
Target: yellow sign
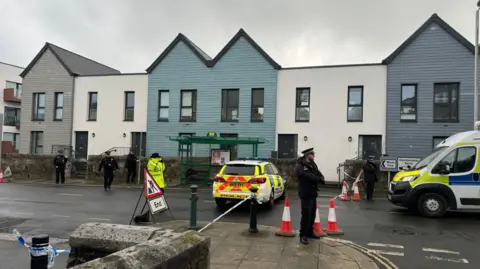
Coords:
pixel 212 134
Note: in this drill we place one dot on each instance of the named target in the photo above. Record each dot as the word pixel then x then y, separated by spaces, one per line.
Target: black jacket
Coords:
pixel 108 164
pixel 60 161
pixel 370 172
pixel 309 177
pixel 131 162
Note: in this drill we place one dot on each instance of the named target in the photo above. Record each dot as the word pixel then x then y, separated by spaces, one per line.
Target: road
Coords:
pixel 409 241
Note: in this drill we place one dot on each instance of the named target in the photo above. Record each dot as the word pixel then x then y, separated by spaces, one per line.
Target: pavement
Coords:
pixel 409 241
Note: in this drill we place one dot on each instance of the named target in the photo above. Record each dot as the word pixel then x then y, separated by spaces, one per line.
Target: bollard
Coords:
pixel 253 210
pixel 39 252
pixel 193 208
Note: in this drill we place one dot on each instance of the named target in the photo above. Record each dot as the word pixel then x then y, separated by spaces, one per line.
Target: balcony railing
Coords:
pixel 11 121
pixel 12 95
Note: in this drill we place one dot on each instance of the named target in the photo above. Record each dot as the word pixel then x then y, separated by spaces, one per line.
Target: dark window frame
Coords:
pixel 89 116
pixel 437 137
pixel 16 119
pixel 253 106
pixel 298 105
pixel 225 105
pixel 18 86
pixel 457 107
pixel 34 142
pixel 456 151
pixel 36 106
pixel 360 105
pixel 126 107
pixel 415 85
pixel 163 107
pixel 193 107
pixel 56 106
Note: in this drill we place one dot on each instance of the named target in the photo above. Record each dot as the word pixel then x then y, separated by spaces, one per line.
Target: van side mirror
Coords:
pixel 442 168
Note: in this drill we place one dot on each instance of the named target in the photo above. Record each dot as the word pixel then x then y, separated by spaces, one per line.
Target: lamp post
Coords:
pixel 475 83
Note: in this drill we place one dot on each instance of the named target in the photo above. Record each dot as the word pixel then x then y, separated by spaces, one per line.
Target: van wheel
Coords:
pixel 221 203
pixel 271 202
pixel 432 205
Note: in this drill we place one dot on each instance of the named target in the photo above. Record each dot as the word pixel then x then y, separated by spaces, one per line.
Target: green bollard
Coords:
pixel 193 208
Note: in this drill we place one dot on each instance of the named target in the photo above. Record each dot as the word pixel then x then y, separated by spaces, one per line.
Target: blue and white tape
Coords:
pixel 50 250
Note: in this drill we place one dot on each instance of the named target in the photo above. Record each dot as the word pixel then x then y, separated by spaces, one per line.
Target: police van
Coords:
pixel 447 179
pixel 233 182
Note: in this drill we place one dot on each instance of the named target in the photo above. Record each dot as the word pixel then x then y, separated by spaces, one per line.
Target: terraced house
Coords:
pixel 48 99
pixel 232 94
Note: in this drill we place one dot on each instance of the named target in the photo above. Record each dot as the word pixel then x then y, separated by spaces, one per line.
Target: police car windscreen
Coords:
pixel 239 169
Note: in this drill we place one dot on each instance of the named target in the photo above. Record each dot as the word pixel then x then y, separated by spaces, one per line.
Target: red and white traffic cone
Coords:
pixel 356 193
pixel 1 176
pixel 317 226
pixel 286 226
pixel 344 195
pixel 332 226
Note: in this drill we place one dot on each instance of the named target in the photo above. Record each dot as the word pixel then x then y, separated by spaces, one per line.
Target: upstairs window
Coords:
pixel 257 105
pixel 188 105
pixel 11 116
pixel 36 142
pixel 408 103
pixel 355 104
pixel 17 88
pixel 445 102
pixel 302 107
pixel 129 110
pixel 92 106
pixel 230 103
pixel 58 112
pixel 163 105
pixel 38 106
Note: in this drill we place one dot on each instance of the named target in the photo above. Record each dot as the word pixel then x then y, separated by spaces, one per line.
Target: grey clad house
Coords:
pixel 47 101
pixel 430 89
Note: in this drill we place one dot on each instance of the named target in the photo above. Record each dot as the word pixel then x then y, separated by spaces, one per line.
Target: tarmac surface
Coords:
pixel 409 241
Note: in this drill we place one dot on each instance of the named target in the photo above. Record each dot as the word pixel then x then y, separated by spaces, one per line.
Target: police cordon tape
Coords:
pixel 49 250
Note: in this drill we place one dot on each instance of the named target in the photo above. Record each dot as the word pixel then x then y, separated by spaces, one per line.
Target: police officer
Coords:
pixel 109 165
pixel 309 178
pixel 60 161
pixel 155 167
pixel 370 176
pixel 131 165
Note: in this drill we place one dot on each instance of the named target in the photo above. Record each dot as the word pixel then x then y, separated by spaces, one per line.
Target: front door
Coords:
pixel 287 146
pixel 233 148
pixel 370 146
pixel 81 145
pixel 139 143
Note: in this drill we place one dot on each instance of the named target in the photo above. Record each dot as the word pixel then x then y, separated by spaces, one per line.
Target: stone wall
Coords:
pixel 27 166
pixel 102 246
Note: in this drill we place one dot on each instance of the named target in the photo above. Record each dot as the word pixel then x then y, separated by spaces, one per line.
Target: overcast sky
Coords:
pixel 129 34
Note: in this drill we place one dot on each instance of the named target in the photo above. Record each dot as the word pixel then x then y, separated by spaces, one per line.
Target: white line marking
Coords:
pixel 208 201
pixel 61 216
pixel 440 251
pixel 384 245
pixel 23 213
pixel 70 194
pixel 446 260
pixel 387 252
pixel 100 219
pixel 400 212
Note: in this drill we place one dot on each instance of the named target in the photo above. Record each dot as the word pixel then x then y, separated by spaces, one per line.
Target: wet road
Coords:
pixel 409 241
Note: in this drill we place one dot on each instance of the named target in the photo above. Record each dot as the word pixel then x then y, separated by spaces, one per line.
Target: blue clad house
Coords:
pixel 429 89
pixel 233 94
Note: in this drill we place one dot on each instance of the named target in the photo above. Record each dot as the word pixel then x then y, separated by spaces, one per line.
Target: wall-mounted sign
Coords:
pixel 405 162
pixel 388 164
pixel 220 156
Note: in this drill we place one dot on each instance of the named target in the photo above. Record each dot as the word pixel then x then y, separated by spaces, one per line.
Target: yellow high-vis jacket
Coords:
pixel 156 168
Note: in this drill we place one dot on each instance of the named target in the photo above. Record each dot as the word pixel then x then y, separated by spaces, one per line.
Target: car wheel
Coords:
pixel 432 205
pixel 221 203
pixel 271 201
pixel 284 194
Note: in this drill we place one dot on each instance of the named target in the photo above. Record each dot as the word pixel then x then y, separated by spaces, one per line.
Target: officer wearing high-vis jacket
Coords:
pixel 156 167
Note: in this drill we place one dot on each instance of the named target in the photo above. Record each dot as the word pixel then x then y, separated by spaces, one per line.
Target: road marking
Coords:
pixel 208 201
pixel 61 216
pixel 70 194
pixel 440 251
pixel 23 213
pixel 100 219
pixel 400 212
pixel 446 260
pixel 384 245
pixel 387 252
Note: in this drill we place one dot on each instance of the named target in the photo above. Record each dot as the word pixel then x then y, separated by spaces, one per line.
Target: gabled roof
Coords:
pixel 207 60
pixel 75 64
pixel 440 22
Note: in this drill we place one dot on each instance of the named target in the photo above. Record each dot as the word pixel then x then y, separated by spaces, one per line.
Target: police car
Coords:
pixel 234 180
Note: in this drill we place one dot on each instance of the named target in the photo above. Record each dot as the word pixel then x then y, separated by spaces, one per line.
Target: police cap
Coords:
pixel 60 151
pixel 107 152
pixel 155 155
pixel 308 151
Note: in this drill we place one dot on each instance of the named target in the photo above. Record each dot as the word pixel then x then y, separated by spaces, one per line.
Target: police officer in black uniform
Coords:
pixel 309 179
pixel 109 165
pixel 60 161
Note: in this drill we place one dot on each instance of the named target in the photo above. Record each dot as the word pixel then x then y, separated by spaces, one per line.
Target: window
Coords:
pixel 461 160
pixel 36 142
pixel 58 106
pixel 92 106
pixel 369 146
pixel 355 104
pixel 38 106
pixel 129 111
pixel 438 139
pixel 163 105
pixel 302 107
pixel 408 104
pixel 182 148
pixel 188 105
pixel 14 138
pixel 17 89
pixel 11 116
pixel 257 104
pixel 239 169
pixel 230 102
pixel 139 143
pixel 445 102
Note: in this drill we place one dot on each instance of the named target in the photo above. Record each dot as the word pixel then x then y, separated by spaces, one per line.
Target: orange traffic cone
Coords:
pixel 332 227
pixel 317 226
pixel 356 193
pixel 344 194
pixel 1 176
pixel 286 226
